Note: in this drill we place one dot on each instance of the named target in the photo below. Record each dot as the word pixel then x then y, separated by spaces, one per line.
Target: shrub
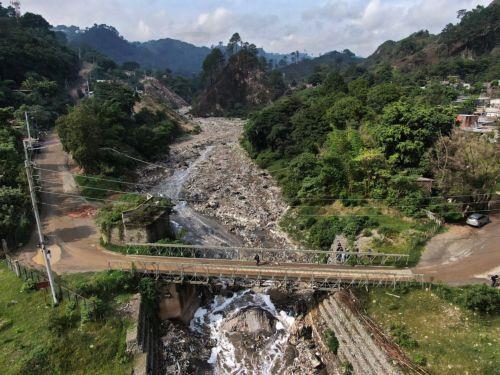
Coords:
pixel 331 341
pixel 386 231
pixel 28 286
pixel 37 362
pixel 482 298
pixel 149 294
pixel 92 310
pixel 106 283
pixel 347 368
pixel 59 324
pixel 402 337
pixel 419 359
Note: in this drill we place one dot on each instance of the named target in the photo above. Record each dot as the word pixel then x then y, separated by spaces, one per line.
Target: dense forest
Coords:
pixel 353 149
pixel 33 71
pixel 103 132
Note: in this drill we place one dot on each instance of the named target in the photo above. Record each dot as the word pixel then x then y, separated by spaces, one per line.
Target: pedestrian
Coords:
pixel 257 259
pixel 339 251
pixel 494 279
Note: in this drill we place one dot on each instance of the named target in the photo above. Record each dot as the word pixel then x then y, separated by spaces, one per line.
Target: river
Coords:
pixel 249 335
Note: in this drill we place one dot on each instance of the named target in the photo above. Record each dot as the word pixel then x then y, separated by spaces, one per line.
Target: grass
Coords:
pixel 28 344
pixel 442 336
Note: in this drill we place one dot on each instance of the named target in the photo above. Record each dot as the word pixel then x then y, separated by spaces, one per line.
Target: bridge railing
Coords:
pixel 247 276
pixel 275 254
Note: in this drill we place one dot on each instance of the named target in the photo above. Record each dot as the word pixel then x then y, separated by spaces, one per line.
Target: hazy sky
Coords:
pixel 314 26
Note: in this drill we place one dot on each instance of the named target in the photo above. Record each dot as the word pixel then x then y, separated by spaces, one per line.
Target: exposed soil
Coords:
pixel 463 254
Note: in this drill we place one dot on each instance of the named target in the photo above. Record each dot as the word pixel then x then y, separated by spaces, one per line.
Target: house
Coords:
pixel 492 112
pixel 468 121
pixel 495 103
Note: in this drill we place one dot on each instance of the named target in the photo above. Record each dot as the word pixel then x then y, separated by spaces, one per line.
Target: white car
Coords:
pixel 478 220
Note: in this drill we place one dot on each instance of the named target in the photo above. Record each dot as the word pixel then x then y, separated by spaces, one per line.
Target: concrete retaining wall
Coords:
pixel 366 349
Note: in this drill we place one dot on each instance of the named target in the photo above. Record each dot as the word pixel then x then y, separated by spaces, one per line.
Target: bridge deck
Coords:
pixel 319 275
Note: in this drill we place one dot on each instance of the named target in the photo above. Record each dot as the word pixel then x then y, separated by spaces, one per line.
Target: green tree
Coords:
pixel 380 95
pixel 234 44
pixel 406 131
pixel 212 65
pixel 334 82
pixel 466 165
pixel 348 110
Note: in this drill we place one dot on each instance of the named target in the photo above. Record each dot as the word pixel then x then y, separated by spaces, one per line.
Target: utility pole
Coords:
pixel 27 164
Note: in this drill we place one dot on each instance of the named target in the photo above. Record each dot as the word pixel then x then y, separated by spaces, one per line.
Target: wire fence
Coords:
pixel 39 277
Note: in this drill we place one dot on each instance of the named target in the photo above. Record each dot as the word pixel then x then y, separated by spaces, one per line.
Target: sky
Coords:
pixel 312 26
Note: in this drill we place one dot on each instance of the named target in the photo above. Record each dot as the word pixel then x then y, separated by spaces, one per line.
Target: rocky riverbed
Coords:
pixel 223 197
pixel 244 332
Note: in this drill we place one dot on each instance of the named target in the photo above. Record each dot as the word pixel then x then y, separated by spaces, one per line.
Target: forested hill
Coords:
pixel 34 68
pixel 332 61
pixel 180 57
pixel 242 82
pixel 467 45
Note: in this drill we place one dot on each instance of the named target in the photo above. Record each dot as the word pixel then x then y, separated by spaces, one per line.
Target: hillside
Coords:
pixel 332 61
pixel 241 84
pixel 180 57
pixel 470 46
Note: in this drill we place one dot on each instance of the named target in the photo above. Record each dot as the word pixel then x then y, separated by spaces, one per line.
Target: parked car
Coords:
pixel 478 220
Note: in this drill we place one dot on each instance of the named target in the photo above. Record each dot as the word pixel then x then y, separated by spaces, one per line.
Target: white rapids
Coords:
pixel 266 356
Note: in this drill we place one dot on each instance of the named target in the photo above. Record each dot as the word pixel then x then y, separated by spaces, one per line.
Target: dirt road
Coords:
pixel 463 254
pixel 68 222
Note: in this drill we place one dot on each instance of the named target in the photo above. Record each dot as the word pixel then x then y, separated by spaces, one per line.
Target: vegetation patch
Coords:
pixel 97 187
pixel 332 342
pixel 39 339
pixel 441 328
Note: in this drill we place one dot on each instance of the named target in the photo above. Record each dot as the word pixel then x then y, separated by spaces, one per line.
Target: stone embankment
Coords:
pixel 362 344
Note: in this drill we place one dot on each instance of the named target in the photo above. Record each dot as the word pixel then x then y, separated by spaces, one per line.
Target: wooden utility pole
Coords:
pixel 28 165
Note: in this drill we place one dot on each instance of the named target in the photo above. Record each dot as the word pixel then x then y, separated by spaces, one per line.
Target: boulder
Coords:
pixel 252 321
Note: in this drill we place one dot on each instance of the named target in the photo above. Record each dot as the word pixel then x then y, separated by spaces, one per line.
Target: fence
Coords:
pixel 250 276
pixel 281 255
pixel 27 273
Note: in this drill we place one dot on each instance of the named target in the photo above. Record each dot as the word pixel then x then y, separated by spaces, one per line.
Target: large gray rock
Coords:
pixel 251 321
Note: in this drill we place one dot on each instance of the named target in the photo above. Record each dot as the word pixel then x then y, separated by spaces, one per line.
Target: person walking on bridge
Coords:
pixel 494 279
pixel 257 259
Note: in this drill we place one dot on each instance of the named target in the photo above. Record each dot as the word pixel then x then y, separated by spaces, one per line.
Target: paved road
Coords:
pixel 463 254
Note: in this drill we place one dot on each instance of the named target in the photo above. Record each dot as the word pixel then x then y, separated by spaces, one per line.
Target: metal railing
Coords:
pixel 248 276
pixel 283 255
pixel 27 273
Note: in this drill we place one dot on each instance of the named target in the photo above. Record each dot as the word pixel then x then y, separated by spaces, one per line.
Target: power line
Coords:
pixel 132 157
pixel 329 198
pixel 94 178
pixel 294 215
pixel 377 215
pixel 202 200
